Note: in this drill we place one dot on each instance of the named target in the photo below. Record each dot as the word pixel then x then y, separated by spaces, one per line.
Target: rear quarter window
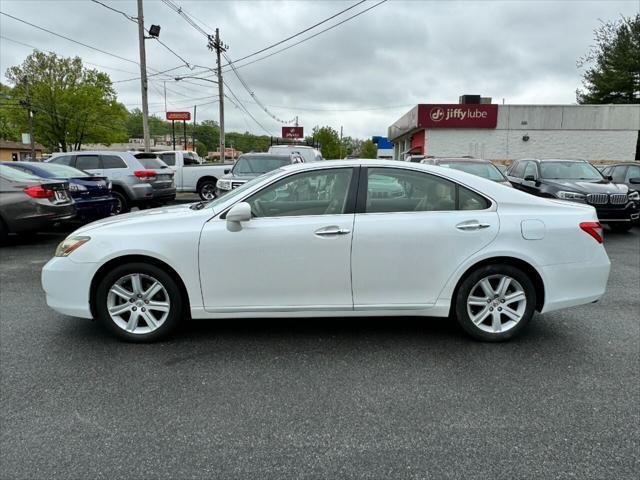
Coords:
pixel 112 161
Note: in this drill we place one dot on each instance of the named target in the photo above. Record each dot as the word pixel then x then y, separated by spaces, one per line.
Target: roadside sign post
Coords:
pixel 184 116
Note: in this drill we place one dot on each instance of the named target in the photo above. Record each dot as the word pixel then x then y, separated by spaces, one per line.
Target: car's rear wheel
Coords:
pixel 138 302
pixel 122 204
pixel 207 190
pixel 495 302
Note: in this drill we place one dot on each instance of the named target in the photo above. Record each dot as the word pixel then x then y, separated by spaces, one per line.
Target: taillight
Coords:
pixel 594 229
pixel 146 174
pixel 37 191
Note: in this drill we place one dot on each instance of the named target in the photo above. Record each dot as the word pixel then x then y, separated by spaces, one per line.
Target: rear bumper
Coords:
pixel 42 217
pixel 572 284
pixel 140 192
pixel 95 206
pixel 165 194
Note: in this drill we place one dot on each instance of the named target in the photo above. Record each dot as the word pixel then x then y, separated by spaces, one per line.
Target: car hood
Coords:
pixel 153 215
pixel 585 186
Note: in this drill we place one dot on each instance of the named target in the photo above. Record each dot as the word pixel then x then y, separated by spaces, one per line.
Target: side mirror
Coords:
pixel 635 180
pixel 609 177
pixel 530 178
pixel 240 212
pixel 227 170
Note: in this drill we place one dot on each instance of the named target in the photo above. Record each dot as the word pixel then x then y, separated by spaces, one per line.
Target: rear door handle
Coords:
pixel 472 226
pixel 332 230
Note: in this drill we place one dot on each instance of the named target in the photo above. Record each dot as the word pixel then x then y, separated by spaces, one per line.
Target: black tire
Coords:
pixel 621 227
pixel 122 203
pixel 470 283
pixel 172 290
pixel 4 232
pixel 207 188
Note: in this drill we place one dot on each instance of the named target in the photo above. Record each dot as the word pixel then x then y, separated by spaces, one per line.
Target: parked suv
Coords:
pixel 474 166
pixel 133 184
pixel 577 181
pixel 252 165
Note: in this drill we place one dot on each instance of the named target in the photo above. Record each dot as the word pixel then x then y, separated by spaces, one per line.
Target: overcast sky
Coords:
pixel 362 75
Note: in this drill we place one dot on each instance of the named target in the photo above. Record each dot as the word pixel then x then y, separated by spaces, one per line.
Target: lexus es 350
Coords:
pixel 328 239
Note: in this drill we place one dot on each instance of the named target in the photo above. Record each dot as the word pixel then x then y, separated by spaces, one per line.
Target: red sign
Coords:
pixel 458 116
pixel 178 115
pixel 292 132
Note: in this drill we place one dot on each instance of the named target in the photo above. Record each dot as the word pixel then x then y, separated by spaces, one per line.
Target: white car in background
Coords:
pixel 340 238
pixel 309 154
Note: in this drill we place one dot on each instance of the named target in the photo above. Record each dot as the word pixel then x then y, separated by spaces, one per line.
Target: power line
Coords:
pixel 70 39
pixel 51 51
pixel 135 20
pixel 179 10
pixel 245 109
pixel 312 36
pixel 300 32
pixel 253 95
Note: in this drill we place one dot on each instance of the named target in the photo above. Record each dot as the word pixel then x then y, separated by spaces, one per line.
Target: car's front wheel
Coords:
pixel 138 302
pixel 207 190
pixel 495 302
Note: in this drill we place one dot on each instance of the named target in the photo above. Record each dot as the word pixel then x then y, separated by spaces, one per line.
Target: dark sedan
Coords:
pixel 92 194
pixel 474 166
pixel 29 203
pixel 577 181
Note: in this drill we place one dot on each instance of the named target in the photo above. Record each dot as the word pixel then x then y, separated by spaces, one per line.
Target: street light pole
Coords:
pixel 143 79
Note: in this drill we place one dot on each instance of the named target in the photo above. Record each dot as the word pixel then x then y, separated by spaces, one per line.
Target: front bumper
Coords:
pixel 623 213
pixel 66 284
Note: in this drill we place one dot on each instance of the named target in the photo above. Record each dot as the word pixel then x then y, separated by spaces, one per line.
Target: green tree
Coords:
pixel 72 105
pixel 614 76
pixel 368 149
pixel 10 108
pixel 329 141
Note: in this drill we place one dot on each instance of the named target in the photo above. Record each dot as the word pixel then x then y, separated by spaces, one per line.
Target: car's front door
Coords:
pixel 411 235
pixel 294 254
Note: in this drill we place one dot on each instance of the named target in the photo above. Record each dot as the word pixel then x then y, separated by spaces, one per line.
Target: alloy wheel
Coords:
pixel 496 303
pixel 208 191
pixel 138 303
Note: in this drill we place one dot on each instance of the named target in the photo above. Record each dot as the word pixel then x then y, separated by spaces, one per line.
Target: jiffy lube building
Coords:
pixel 478 128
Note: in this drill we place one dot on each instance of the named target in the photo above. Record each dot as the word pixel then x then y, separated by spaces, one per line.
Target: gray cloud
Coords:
pixel 401 53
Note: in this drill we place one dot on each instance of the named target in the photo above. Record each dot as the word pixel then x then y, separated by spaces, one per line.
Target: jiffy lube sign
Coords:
pixel 457 116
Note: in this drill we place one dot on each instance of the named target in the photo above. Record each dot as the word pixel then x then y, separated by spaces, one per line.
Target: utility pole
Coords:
pixel 29 120
pixel 143 79
pixel 193 137
pixel 215 44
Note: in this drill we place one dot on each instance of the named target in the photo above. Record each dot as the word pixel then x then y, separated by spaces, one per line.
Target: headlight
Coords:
pixel 109 185
pixel 74 187
pixel 70 244
pixel 635 196
pixel 224 184
pixel 570 196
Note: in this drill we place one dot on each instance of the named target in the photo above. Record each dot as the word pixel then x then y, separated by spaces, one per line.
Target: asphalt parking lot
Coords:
pixel 322 398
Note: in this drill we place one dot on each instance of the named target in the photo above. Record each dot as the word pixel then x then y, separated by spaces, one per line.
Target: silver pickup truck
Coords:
pixel 191 175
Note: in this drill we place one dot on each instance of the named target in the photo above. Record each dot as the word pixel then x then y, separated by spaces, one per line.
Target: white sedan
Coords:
pixel 340 238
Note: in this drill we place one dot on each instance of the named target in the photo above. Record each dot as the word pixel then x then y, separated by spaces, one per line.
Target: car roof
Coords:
pixel 292 146
pixel 620 164
pixel 460 159
pixel 574 160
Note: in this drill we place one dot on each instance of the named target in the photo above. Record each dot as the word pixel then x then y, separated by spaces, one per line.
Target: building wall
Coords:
pixel 508 144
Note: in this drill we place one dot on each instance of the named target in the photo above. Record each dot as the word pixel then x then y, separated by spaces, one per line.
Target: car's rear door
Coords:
pixel 293 255
pixel 412 230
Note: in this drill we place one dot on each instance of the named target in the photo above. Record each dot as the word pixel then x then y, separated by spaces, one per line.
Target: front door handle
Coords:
pixel 332 230
pixel 472 226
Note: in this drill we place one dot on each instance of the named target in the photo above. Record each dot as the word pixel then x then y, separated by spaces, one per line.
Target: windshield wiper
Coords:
pixel 198 206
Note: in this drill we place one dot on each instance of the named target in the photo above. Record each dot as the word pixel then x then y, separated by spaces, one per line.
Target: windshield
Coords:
pixel 62 171
pixel 484 170
pixel 569 171
pixel 17 175
pixel 233 194
pixel 257 165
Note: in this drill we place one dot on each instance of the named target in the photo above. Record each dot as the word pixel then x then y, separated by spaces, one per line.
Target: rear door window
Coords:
pixel 88 162
pixel 112 161
pixel 168 158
